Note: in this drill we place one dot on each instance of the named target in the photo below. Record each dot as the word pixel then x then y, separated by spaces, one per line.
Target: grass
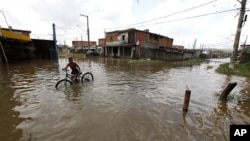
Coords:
pixel 239 69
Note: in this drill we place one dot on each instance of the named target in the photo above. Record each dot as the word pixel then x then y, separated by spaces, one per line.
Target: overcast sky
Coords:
pixel 212 23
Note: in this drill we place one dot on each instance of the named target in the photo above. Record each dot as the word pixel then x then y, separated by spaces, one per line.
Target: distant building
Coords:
pixel 101 42
pixel 217 53
pixel 212 53
pixel 178 46
pixel 83 45
pixel 244 53
pixel 62 49
pixel 133 43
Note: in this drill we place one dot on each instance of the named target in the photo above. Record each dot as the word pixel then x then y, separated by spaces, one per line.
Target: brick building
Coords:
pixel 101 42
pixel 133 43
pixel 83 45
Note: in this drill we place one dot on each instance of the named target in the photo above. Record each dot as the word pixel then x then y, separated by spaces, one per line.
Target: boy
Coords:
pixel 75 69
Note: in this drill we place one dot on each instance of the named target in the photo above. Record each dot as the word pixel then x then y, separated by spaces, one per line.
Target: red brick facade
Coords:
pixel 83 44
pixel 144 38
pixel 133 43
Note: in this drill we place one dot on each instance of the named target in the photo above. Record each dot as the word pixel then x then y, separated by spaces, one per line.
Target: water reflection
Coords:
pixel 128 100
pixel 73 93
pixel 9 119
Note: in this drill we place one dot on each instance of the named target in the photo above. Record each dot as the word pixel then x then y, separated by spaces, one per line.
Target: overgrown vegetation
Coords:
pixel 239 69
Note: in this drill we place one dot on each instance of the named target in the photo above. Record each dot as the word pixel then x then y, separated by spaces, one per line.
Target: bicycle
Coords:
pixel 67 81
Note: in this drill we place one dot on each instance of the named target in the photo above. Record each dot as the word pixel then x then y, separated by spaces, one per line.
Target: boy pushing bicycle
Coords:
pixel 75 69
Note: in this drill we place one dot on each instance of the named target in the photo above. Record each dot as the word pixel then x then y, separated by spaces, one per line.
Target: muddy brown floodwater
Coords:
pixel 128 101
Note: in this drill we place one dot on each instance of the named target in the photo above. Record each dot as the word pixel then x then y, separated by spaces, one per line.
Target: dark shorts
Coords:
pixel 74 72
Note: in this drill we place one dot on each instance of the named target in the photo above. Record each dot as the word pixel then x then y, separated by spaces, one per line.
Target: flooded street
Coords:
pixel 128 101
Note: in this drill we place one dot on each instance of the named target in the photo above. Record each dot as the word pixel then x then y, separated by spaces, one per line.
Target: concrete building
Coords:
pixel 83 46
pixel 101 42
pixel 133 43
pixel 15 44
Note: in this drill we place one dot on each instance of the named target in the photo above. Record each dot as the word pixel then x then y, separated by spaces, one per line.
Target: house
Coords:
pixel 244 53
pixel 83 46
pixel 101 42
pixel 15 44
pixel 178 46
pixel 62 49
pixel 217 53
pixel 133 43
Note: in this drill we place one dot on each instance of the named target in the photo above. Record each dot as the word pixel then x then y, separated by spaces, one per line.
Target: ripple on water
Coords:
pixel 127 102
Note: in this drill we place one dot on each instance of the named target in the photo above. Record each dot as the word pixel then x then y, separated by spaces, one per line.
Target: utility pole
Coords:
pixel 54 41
pixel 87 28
pixel 238 32
pixel 194 45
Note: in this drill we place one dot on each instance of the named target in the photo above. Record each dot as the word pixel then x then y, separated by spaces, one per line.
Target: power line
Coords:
pixel 182 11
pixel 186 18
pixel 179 12
pixel 174 20
pixel 197 16
pixel 180 19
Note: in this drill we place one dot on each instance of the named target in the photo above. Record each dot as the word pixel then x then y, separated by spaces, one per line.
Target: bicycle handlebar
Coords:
pixel 65 69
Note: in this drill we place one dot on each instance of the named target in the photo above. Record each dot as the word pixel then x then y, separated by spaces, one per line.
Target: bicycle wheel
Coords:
pixel 64 83
pixel 88 76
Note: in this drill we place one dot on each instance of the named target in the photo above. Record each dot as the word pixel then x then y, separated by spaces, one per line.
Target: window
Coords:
pixel 123 37
pixel 154 37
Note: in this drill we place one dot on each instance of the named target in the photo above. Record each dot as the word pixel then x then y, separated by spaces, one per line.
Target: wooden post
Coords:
pixel 227 90
pixel 186 100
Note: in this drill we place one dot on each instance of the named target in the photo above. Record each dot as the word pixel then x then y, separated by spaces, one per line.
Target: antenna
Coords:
pixel 6 20
pixel 245 40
